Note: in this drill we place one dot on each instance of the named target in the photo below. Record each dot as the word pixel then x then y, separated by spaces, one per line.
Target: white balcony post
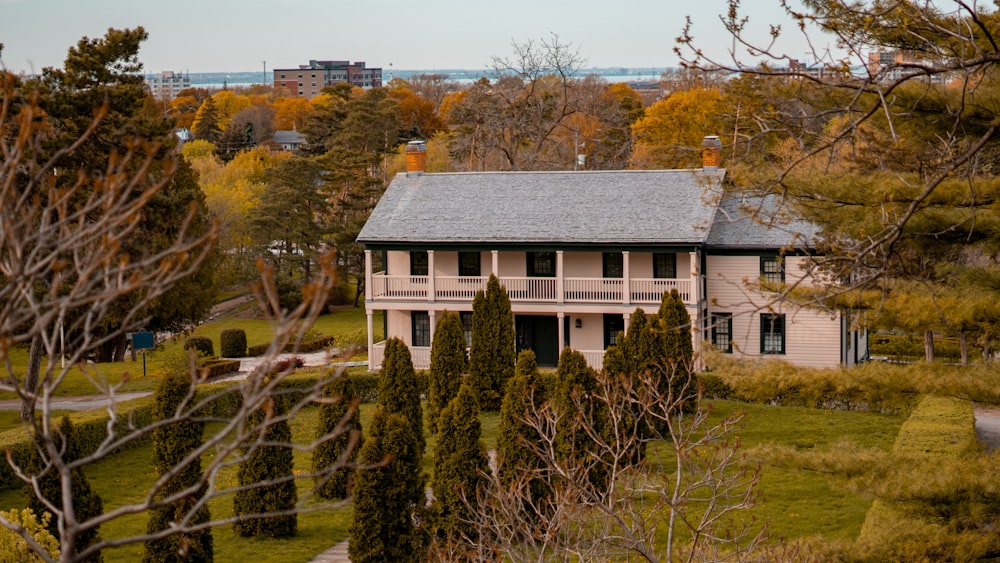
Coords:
pixel 626 286
pixel 368 274
pixel 627 317
pixel 495 268
pixel 432 315
pixel 430 276
pixel 695 298
pixel 559 282
pixel 371 337
pixel 562 330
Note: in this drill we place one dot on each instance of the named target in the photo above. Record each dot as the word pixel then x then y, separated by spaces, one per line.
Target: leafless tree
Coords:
pixel 690 488
pixel 62 267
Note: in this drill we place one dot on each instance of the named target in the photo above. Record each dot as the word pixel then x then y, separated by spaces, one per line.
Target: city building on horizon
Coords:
pixel 165 85
pixel 307 81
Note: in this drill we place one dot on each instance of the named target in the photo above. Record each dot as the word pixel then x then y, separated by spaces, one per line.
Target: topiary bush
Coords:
pixel 269 461
pixel 340 408
pixel 233 343
pixel 202 344
pixel 172 444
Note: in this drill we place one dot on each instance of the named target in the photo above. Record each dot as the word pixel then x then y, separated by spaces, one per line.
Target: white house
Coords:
pixel 578 252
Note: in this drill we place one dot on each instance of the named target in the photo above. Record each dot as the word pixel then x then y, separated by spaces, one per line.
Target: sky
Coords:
pixel 246 35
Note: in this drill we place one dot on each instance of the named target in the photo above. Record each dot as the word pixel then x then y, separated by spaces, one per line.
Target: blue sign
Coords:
pixel 143 341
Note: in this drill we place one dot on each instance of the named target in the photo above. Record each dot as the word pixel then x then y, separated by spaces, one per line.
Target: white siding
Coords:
pixel 812 338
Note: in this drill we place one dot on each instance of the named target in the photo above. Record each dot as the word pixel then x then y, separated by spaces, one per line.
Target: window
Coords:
pixel 613 265
pixel 772 334
pixel 772 269
pixel 722 332
pixel 541 264
pixel 664 265
pixel 613 324
pixel 418 263
pixel 468 264
pixel 421 328
pixel 466 317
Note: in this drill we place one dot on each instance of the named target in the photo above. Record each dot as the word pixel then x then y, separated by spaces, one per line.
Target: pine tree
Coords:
pixel 387 498
pixel 524 394
pixel 267 472
pixel 398 391
pixel 448 363
pixel 206 122
pixel 491 361
pixel 573 400
pixel 87 504
pixel 677 347
pixel 342 397
pixel 173 443
pixel 460 464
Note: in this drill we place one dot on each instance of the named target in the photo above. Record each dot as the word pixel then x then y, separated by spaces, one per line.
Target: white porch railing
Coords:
pixel 651 290
pixel 591 290
pixel 595 358
pixel 420 355
pixel 399 287
pixel 458 288
pixel 527 289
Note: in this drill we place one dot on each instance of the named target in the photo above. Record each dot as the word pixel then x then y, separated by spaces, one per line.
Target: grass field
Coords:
pixel 795 503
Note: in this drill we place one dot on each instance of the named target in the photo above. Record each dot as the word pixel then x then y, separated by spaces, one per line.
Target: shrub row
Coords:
pixel 233 343
pixel 938 426
pixel 305 347
pixel 216 368
pixel 875 387
pixel 202 344
pixel 91 426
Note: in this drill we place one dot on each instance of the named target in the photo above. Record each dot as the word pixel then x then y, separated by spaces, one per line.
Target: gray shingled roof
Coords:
pixel 610 207
pixel 758 223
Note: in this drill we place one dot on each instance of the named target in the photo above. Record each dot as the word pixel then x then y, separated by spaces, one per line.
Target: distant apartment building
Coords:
pixel 167 84
pixel 308 80
pixel 888 66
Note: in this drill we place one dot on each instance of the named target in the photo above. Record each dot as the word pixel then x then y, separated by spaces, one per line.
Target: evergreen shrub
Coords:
pixel 341 401
pixel 202 344
pixel 233 343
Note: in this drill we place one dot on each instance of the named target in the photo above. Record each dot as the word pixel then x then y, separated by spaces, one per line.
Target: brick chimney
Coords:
pixel 416 158
pixel 711 153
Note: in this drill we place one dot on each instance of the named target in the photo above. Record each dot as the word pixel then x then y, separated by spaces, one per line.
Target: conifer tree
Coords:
pixel 388 498
pixel 677 353
pixel 398 391
pixel 492 358
pixel 87 503
pixel 448 363
pixel 460 464
pixel 172 444
pixel 336 482
pixel 515 458
pixel 206 122
pixel 267 471
pixel 575 387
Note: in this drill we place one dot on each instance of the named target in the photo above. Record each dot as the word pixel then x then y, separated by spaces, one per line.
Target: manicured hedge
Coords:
pixel 233 343
pixel 202 344
pixel 305 347
pixel 216 368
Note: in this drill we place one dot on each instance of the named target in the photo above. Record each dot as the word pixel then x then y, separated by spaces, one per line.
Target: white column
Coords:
pixel 628 317
pixel 495 269
pixel 430 276
pixel 368 275
pixel 559 284
pixel 695 286
pixel 432 315
pixel 562 332
pixel 626 281
pixel 371 337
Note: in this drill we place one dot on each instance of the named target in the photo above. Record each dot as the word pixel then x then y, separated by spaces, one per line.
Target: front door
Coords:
pixel 540 334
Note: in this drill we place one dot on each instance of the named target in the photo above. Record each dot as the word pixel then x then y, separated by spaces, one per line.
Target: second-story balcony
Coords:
pixel 637 291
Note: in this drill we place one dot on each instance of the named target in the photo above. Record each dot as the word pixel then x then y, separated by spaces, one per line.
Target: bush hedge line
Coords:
pixel 307 346
pixel 876 387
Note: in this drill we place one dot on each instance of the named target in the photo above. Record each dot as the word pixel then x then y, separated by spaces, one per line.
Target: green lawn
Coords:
pixel 795 502
pixel 129 374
